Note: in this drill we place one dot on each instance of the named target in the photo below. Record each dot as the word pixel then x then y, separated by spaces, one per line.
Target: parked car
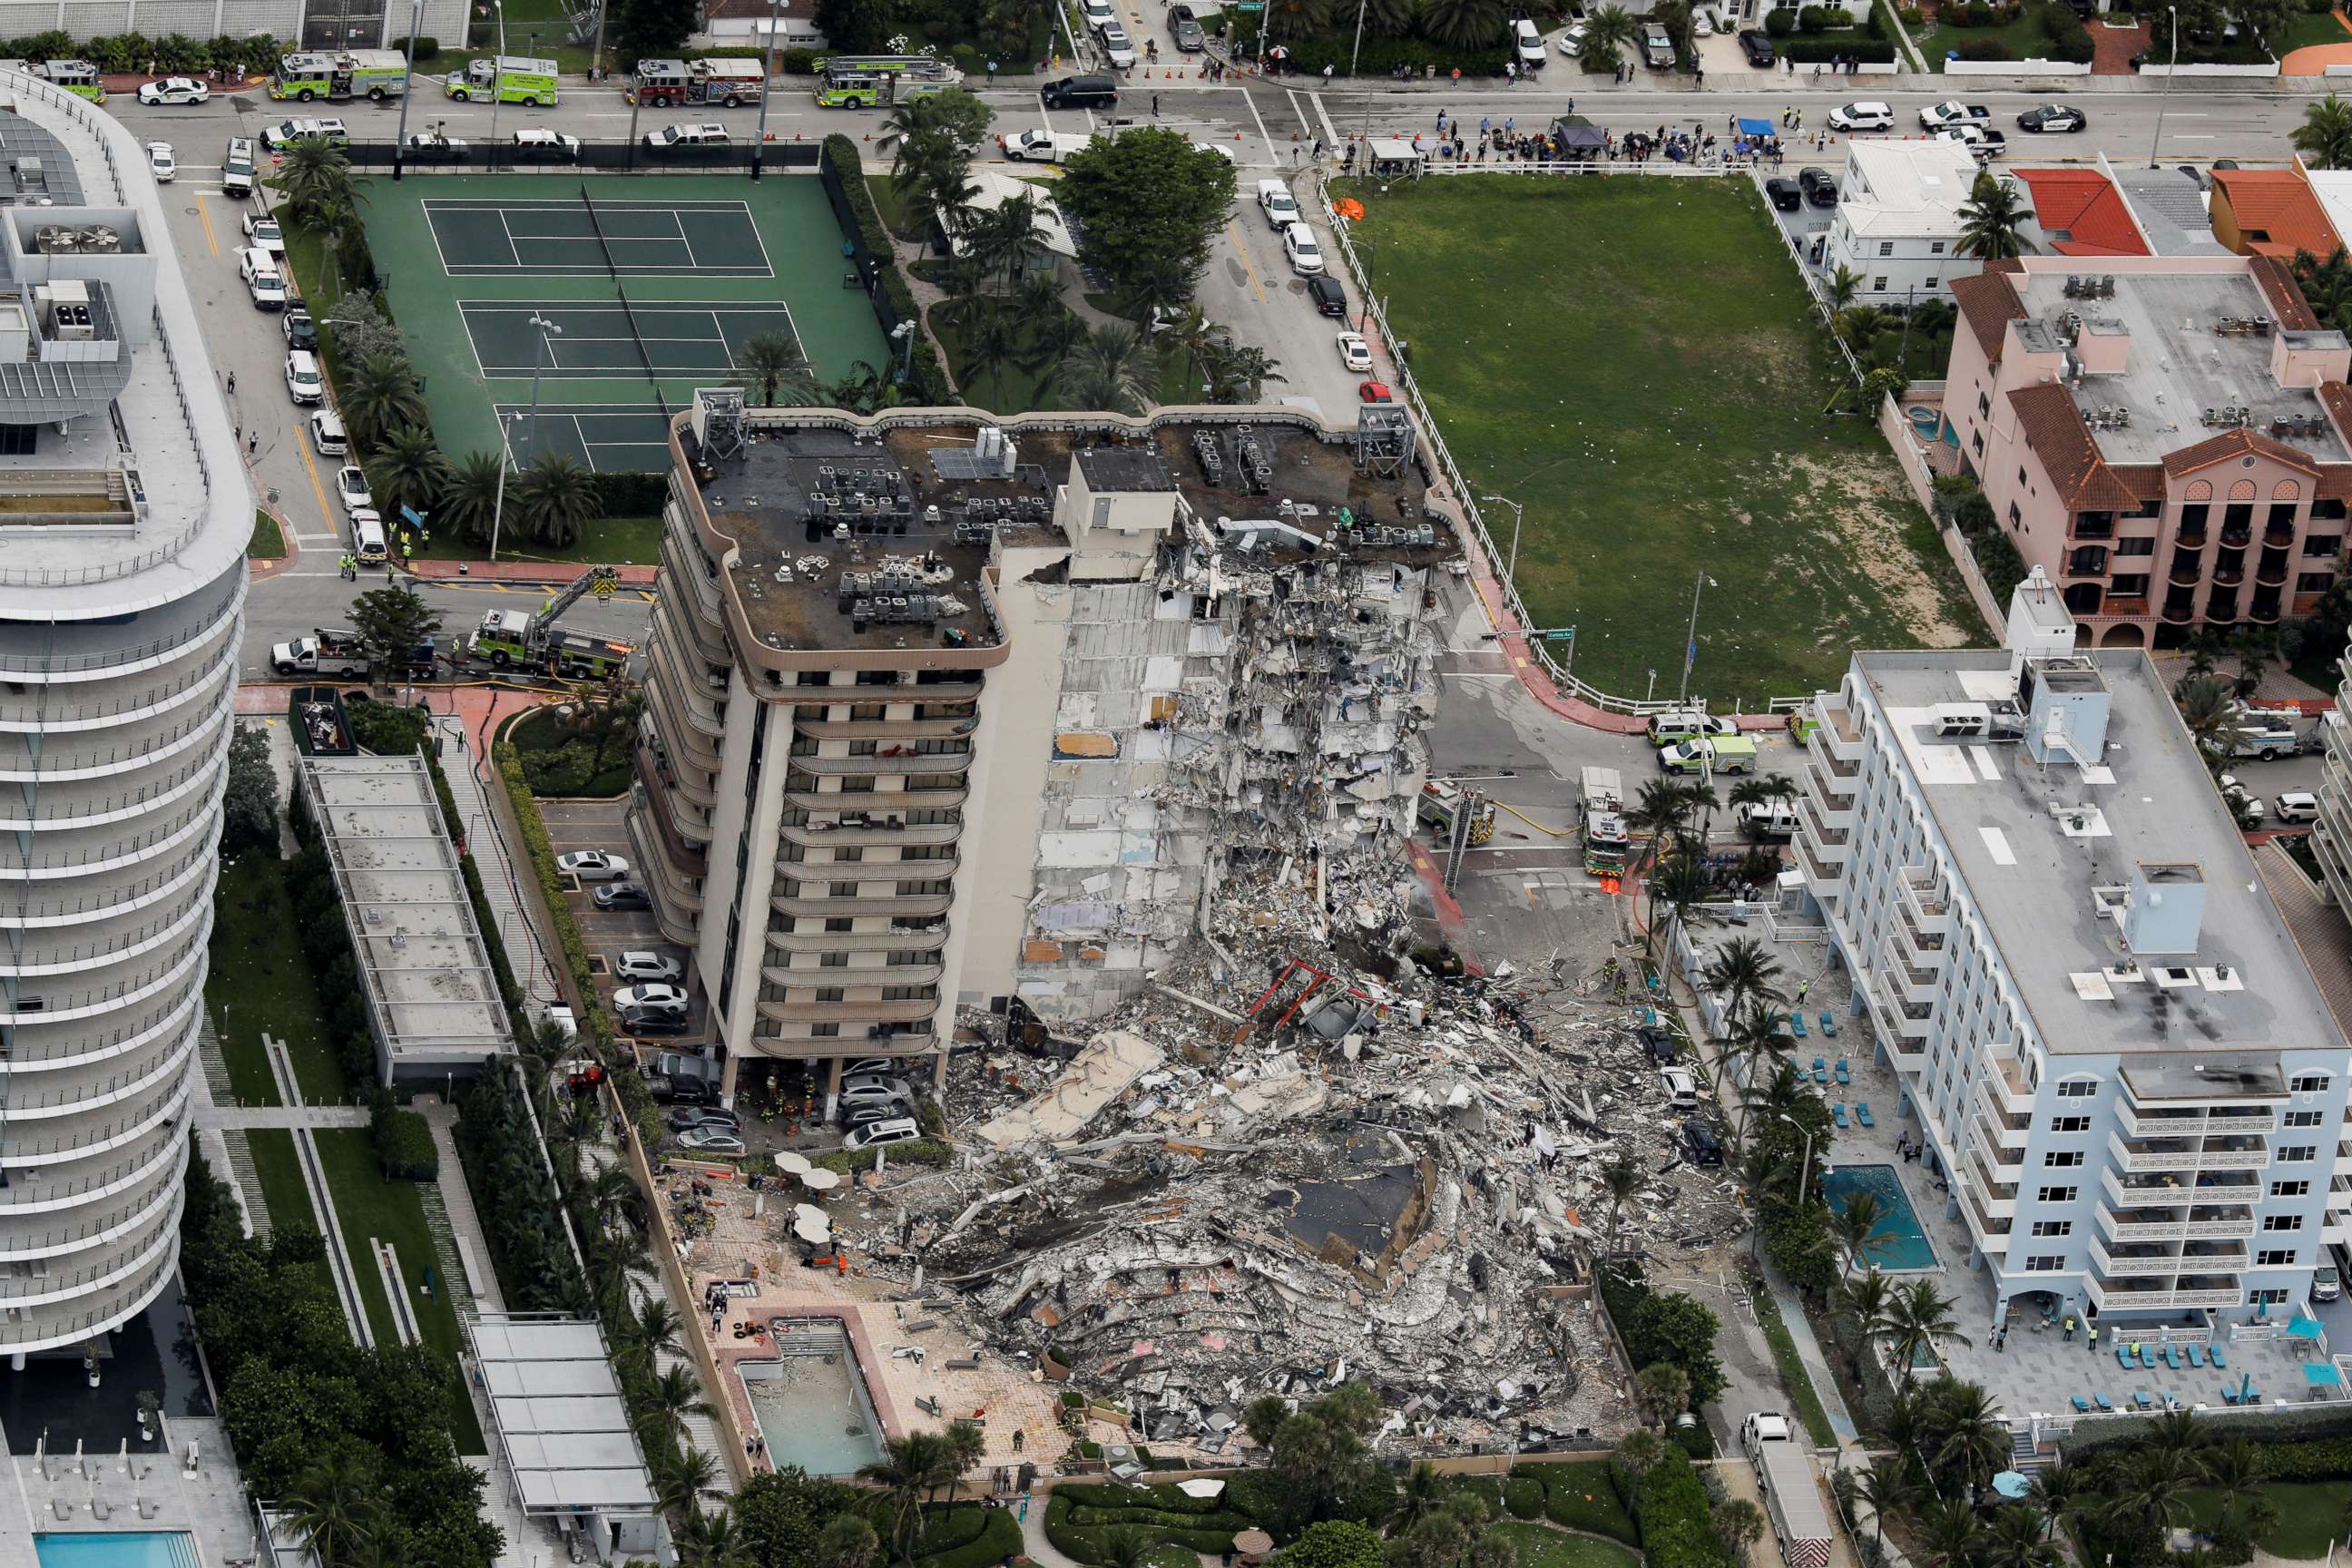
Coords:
pixel 902 1131
pixel 1571 41
pixel 1864 116
pixel 650 1022
pixel 262 279
pixel 1757 45
pixel 263 230
pixel 1298 244
pixel 301 331
pixel 1525 43
pixel 867 1115
pixel 537 145
pixel 1118 46
pixel 1331 300
pixel 1188 33
pixel 1702 1146
pixel 711 1140
pixel 877 1091
pixel 1683 724
pixel 162 164
pixel 351 490
pixel 173 89
pixel 1275 200
pixel 2052 117
pixel 287 131
pixel 327 435
pixel 621 895
pixel 653 994
pixel 592 865
pixel 640 963
pixel 681 1088
pixel 1096 11
pixel 433 147
pixel 1374 392
pixel 1952 111
pixel 709 1116
pixel 2326 1285
pixel 1354 352
pixel 2242 801
pixel 1658 46
pixel 302 382
pixel 1819 187
pixel 1784 195
pixel 2297 805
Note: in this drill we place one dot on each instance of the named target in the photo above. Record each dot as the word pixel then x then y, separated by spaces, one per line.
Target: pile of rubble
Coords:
pixel 1274 1174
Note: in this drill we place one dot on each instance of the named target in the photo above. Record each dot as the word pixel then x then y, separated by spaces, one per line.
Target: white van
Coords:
pixel 367 533
pixel 1688 724
pixel 875 1133
pixel 1527 45
pixel 259 271
pixel 1768 819
pixel 327 436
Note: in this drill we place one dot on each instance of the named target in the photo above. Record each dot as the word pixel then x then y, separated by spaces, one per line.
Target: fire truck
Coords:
pixel 666 83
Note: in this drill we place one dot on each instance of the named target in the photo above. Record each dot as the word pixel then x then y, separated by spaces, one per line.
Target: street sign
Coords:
pixel 411 516
pixel 1565 634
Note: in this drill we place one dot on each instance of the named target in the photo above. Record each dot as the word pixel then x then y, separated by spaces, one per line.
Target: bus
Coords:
pixel 876 81
pixel 375 74
pixel 511 78
pixel 76 76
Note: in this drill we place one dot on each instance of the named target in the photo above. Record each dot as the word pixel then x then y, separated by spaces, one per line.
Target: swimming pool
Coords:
pixel 1901 1243
pixel 813 1406
pixel 135 1549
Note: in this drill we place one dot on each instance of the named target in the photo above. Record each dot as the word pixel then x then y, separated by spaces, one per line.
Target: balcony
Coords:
pixel 909 1010
pixel 876 832
pixel 2144 1122
pixel 908 906
pixel 1909 1020
pixel 2221 609
pixel 657 770
pixel 885 729
pixel 2229 576
pixel 2264 609
pixel 2172 1191
pixel 2278 535
pixel 1829 843
pixel 2009 1129
pixel 2179 610
pixel 1913 984
pixel 2237 535
pixel 2190 537
pixel 2147 1225
pixel 2126 1296
pixel 803 977
pixel 896 939
pixel 1994 1203
pixel 2137 1260
pixel 1833 808
pixel 2187 571
pixel 1826 881
pixel 690 859
pixel 891 762
pixel 2140 1157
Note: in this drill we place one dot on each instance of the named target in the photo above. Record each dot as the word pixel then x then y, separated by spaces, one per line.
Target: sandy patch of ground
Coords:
pixel 1867 503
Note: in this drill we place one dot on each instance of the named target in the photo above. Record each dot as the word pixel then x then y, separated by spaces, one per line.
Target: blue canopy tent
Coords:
pixel 1757 127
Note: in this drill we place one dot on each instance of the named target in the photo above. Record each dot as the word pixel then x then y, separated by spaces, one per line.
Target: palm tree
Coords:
pixel 945 199
pixel 313 174
pixel 1113 371
pixel 774 371
pixel 616 1198
pixel 1163 286
pixel 612 1261
pixel 1863 1217
pixel 554 499
pixel 1888 1488
pixel 1742 972
pixel 2061 1489
pixel 1621 1178
pixel 1838 292
pixel 2233 1469
pixel 379 396
pixel 1946 1535
pixel 649 1333
pixel 966 1446
pixel 847 1542
pixel 1610 33
pixel 2325 137
pixel 904 1472
pixel 335 1505
pixel 2149 1488
pixel 2018 1539
pixel 1640 1452
pixel 1918 1316
pixel 1680 886
pixel 1461 23
pixel 1126 1546
pixel 2207 707
pixel 1013 246
pixel 1993 219
pixel 681 1475
pixel 407 469
pixel 1659 810
pixel 712 1540
pixel 1765 789
pixel 469 496
pixel 2182 1432
pixel 1755 1048
pixel 991 340
pixel 668 1398
pixel 1863 1300
pixel 1424 1492
pixel 1236 373
pixel 1965 1437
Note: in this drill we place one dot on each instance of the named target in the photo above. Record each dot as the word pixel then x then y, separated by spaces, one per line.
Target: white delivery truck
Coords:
pixel 1792 1498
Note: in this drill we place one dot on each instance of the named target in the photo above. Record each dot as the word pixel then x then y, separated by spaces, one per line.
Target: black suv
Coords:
pixel 301 333
pixel 1785 194
pixel 1758 43
pixel 1331 300
pixel 1081 92
pixel 1817 187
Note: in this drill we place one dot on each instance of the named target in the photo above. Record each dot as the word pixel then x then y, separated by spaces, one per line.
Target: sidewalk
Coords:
pixel 552 574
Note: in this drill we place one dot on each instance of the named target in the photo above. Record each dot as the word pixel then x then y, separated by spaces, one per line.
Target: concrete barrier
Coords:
pixel 2243 73
pixel 2034 70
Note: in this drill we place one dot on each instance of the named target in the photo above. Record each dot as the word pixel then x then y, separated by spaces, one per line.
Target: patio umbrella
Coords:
pixel 1252 1544
pixel 791 1164
pixel 2011 1484
pixel 820 1180
pixel 811 1224
pixel 2303 1328
pixel 2322 1374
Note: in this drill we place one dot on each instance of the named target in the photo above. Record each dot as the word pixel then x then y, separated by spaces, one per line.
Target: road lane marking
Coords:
pixel 302 450
pixel 1263 134
pixel 1234 231
pixel 207 218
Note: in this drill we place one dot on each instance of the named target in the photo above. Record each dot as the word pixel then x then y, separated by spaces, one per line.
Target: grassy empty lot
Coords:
pixel 1542 1546
pixel 1633 361
pixel 260 983
pixel 2311 1515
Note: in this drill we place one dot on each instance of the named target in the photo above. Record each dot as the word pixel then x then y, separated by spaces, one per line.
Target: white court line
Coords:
pixel 513 249
pixel 1263 135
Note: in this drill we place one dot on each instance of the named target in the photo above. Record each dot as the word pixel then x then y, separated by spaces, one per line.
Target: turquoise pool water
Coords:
pixel 1901 1243
pixel 136 1548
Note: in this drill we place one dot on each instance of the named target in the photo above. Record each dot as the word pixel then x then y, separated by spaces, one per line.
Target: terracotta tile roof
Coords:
pixel 2276 212
pixel 2235 444
pixel 2085 207
pixel 2275 278
pixel 1988 302
pixel 2319 930
pixel 2054 427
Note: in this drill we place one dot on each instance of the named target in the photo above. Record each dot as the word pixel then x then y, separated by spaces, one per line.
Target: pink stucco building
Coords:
pixel 2167 438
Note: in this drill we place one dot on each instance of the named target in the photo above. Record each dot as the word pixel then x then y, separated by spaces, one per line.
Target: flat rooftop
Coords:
pixel 903 520
pixel 2033 843
pixel 2171 375
pixel 2170 205
pixel 560 1419
pixel 431 990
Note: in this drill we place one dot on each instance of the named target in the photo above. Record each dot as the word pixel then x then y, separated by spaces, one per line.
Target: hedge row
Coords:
pixel 1166 1497
pixel 999 1540
pixel 632 495
pixel 1523 1497
pixel 1382 56
pixel 1087 1543
pixel 404 1142
pixel 487 921
pixel 551 884
pixel 1807 51
pixel 1677 1525
pixel 913 1152
pixel 1582 1497
pixel 927 382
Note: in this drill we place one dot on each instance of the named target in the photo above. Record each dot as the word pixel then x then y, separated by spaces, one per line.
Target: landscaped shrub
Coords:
pixel 522 1214
pixel 1983 49
pixel 913 1152
pixel 926 380
pixel 1677 1530
pixel 632 495
pixel 599 1024
pixel 1813 20
pixel 998 1541
pixel 1524 1497
pixel 1779 22
pixel 1584 1497
pixel 1382 56
pixel 403 1141
pixel 2069 39
pixel 387 729
pixel 1805 51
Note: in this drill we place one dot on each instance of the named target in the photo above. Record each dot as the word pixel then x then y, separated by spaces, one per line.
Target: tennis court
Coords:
pixel 610 437
pixel 672 337
pixel 581 237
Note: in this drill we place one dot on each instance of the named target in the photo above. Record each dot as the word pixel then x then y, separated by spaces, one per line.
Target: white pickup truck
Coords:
pixel 1041 146
pixel 1952 111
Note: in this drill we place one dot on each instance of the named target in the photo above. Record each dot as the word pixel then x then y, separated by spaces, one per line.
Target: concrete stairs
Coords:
pixel 247 1179
pixel 215 1064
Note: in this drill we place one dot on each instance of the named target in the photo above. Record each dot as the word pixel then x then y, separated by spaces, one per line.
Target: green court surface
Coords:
pixel 652 297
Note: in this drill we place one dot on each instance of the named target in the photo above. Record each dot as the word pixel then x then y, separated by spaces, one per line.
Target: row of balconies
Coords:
pixel 2171 1191
pixel 2129 1295
pixel 2202 1222
pixel 58 710
pixel 2151 1259
pixel 73 857
pixel 2169 1123
pixel 2139 1156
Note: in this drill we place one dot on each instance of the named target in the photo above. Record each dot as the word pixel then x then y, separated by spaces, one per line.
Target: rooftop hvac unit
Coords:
pixel 58 241
pixel 101 240
pixel 30 175
pixel 74 324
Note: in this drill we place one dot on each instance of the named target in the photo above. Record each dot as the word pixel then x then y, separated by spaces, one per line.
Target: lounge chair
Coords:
pixel 2172 1357
pixel 2081 1405
pixel 2141 1401
pixel 2123 1357
pixel 1843 1075
pixel 2146 1359
pixel 1829 1027
pixel 2104 1408
pixel 2229 1393
pixel 2197 1355
pixel 1797 1026
pixel 1837 1112
pixel 1862 1113
pixel 1820 1070
pixel 2219 1358
pixel 2249 1396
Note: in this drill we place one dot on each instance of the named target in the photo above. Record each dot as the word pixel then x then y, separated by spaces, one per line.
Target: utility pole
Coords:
pixel 1690 647
pixel 1518 515
pixel 767 81
pixel 407 85
pixel 2164 100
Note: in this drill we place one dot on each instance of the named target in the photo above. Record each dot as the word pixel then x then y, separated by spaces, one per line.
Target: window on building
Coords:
pixel 2313 582
pixel 2192 517
pixel 1984 405
pixel 1885 248
pixel 2016 517
pixel 833 961
pixel 2128 585
pixel 2054 1228
pixel 2278 1222
pixel 839 927
pixel 2045 1263
pixel 2302 1117
pixel 2274 1257
pixel 831 992
pixel 2062 1158
pixel 814 677
pixel 2297 1153
pixel 842 890
pixel 2282 514
pixel 1936 248
pixel 2138 544
pixel 2310 1083
pixel 1929 284
pixel 1878 284
pixel 2290 1189
pixel 2058 1194
pixel 2078 1088
pixel 2266 1298
pixel 2238 514
pixel 2070 1124
pixel 1975 443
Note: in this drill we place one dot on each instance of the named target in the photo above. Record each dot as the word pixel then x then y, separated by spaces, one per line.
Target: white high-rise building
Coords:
pixel 124 513
pixel 2100 1022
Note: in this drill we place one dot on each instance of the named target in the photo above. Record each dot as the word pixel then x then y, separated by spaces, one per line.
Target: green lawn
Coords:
pixel 2311 1514
pixel 367 1205
pixel 2024 38
pixel 267 543
pixel 889 205
pixel 607 542
pixel 282 1187
pixel 1635 362
pixel 2306 29
pixel 260 983
pixel 1542 1546
pixel 1793 1375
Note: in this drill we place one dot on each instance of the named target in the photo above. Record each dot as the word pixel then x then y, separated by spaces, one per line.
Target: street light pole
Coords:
pixel 499 504
pixel 2164 100
pixel 1805 1171
pixel 767 80
pixel 1355 59
pixel 407 85
pixel 546 329
pixel 1511 571
pixel 498 9
pixel 1690 647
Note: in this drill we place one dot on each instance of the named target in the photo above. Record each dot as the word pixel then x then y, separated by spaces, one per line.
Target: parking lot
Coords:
pixel 596 825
